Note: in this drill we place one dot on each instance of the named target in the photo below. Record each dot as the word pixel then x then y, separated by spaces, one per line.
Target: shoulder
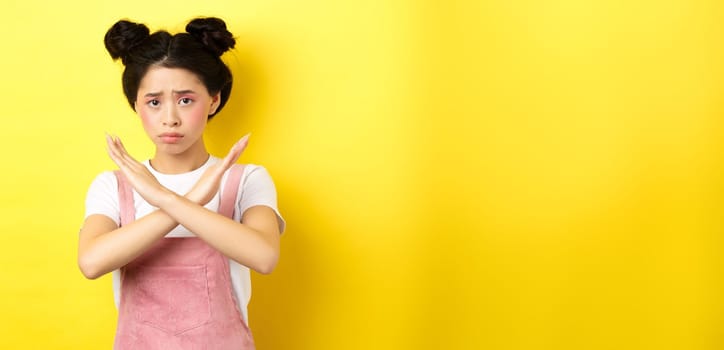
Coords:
pixel 258 189
pixel 251 174
pixel 256 177
pixel 253 181
pixel 105 181
pixel 256 172
pixel 102 196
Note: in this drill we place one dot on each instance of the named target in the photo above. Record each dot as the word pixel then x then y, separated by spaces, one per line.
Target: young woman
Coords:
pixel 180 231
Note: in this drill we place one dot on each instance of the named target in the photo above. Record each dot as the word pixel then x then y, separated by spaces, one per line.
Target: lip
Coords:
pixel 170 137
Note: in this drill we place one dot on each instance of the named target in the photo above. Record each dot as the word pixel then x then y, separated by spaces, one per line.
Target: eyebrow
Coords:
pixel 175 92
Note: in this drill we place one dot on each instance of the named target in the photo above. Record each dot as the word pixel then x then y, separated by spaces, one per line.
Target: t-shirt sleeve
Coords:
pixel 258 189
pixel 102 197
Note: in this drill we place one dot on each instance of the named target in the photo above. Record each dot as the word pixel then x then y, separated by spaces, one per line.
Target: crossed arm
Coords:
pixel 104 247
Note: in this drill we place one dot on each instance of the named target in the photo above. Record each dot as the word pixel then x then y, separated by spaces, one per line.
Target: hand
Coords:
pixel 208 185
pixel 136 173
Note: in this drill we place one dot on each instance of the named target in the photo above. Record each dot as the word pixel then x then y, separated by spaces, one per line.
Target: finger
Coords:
pixel 128 159
pixel 123 152
pixel 135 171
pixel 241 144
pixel 118 152
pixel 112 151
pixel 234 153
pixel 121 146
pixel 237 149
pixel 123 160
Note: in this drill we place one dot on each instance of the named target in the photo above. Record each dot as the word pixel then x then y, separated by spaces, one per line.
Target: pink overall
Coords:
pixel 178 294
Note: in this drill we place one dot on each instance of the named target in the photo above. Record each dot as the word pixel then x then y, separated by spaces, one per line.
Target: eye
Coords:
pixel 153 103
pixel 185 101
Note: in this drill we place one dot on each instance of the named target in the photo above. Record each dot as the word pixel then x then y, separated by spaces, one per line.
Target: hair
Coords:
pixel 198 50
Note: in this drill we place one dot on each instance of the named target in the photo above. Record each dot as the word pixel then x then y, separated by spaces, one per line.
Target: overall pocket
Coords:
pixel 174 299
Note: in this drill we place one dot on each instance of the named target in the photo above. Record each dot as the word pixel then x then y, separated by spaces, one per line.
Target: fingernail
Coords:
pixel 245 138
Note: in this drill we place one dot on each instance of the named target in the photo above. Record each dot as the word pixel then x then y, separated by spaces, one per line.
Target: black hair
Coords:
pixel 198 50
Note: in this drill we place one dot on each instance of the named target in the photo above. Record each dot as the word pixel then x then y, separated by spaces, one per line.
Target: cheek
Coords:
pixel 197 116
pixel 145 116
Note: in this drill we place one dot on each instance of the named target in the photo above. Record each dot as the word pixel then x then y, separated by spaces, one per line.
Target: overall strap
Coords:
pixel 231 188
pixel 125 199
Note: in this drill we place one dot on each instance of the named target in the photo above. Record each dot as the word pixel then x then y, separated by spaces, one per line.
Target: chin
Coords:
pixel 171 148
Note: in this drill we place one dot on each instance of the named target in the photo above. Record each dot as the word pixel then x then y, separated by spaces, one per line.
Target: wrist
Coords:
pixel 167 198
pixel 191 197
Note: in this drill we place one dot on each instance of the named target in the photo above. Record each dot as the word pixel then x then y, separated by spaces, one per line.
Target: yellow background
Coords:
pixel 503 174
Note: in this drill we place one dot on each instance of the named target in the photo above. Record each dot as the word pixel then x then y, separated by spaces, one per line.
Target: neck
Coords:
pixel 171 163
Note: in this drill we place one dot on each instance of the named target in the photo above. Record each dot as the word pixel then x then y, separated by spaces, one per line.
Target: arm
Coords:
pixel 104 247
pixel 253 243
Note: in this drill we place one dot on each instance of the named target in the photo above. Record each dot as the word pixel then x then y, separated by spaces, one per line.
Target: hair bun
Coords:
pixel 123 36
pixel 211 31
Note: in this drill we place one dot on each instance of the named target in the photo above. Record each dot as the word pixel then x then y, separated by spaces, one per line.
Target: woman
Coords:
pixel 179 231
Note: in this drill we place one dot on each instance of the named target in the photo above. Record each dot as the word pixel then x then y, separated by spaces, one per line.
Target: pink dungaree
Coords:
pixel 178 294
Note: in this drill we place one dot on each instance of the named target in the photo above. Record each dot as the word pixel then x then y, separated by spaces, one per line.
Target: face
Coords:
pixel 174 106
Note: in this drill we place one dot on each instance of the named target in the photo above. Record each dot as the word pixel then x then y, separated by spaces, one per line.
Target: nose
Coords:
pixel 170 117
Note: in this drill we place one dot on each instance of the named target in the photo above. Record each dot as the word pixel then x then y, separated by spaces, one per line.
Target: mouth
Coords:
pixel 170 137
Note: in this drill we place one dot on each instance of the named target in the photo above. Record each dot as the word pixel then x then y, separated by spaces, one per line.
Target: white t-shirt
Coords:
pixel 257 188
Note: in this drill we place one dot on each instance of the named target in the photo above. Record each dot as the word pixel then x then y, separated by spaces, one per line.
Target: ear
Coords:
pixel 215 102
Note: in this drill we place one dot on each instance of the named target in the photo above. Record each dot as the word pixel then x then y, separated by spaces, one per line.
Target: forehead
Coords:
pixel 160 79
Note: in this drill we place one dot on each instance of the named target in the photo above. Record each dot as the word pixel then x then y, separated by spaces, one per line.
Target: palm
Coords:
pixel 151 190
pixel 137 174
pixel 208 185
